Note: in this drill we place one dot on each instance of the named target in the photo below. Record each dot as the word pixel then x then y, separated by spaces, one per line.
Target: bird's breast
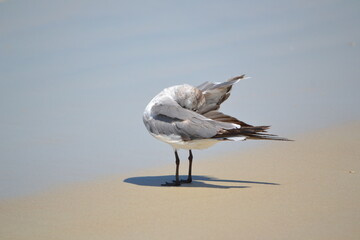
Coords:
pixel 177 143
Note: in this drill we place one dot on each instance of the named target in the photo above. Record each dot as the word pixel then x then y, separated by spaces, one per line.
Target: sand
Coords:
pixel 307 189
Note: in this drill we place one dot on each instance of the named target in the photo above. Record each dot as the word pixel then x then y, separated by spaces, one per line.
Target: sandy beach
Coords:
pixel 307 189
pixel 77 163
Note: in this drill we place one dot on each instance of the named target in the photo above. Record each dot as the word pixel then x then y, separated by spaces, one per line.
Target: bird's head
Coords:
pixel 187 96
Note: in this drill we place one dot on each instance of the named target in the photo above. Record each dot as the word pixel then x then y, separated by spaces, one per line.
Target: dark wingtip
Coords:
pixel 265 136
pixel 251 132
pixel 236 78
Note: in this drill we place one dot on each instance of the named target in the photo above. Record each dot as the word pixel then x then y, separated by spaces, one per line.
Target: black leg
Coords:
pixel 190 167
pixel 177 161
pixel 177 181
pixel 189 179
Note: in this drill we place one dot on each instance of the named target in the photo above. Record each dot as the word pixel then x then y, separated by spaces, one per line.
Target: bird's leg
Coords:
pixel 189 179
pixel 177 181
pixel 177 161
pixel 190 166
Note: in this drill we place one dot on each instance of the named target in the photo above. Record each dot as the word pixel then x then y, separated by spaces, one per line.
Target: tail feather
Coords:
pixel 253 132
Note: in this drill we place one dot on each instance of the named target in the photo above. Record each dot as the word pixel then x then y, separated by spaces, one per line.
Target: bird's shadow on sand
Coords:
pixel 198 181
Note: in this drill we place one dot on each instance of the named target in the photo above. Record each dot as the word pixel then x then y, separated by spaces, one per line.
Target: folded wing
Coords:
pixel 169 118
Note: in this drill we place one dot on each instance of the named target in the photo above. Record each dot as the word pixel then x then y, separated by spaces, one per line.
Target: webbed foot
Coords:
pixel 186 181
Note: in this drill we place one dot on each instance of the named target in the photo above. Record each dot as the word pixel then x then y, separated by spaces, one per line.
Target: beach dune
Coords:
pixel 306 189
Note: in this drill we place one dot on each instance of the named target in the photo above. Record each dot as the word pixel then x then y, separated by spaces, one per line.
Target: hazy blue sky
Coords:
pixel 75 77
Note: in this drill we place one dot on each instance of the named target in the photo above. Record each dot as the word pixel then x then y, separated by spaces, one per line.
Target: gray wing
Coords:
pixel 221 117
pixel 216 93
pixel 170 118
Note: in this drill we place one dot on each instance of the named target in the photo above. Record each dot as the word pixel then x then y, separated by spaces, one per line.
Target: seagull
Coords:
pixel 188 117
